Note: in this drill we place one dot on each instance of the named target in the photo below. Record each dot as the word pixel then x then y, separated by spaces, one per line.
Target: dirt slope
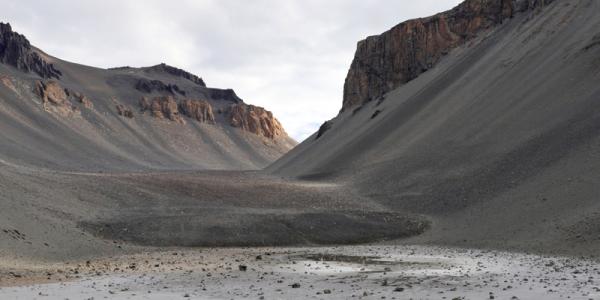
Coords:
pixel 497 143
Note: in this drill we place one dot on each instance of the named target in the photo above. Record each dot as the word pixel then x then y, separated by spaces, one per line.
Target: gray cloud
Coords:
pixel 290 56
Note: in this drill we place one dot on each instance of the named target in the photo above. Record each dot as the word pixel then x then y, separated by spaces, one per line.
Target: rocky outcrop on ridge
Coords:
pixel 149 86
pixel 200 110
pixel 163 107
pixel 254 119
pixel 162 83
pixel 224 94
pixel 176 72
pixel 16 51
pixel 323 128
pixel 60 100
pixel 386 61
pixel 250 118
pixel 51 92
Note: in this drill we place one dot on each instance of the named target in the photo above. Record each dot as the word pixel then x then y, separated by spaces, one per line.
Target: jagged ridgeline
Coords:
pixel 151 117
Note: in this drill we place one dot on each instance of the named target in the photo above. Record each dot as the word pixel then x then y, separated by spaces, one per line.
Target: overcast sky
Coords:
pixel 290 56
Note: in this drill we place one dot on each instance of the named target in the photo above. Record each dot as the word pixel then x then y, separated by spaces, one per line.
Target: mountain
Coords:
pixel 65 116
pixel 476 127
pixel 97 162
pixel 484 119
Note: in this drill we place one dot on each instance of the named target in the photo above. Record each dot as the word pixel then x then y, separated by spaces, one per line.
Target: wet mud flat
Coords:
pixel 357 272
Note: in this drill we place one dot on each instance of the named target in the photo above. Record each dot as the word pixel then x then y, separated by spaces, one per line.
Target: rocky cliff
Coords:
pixel 200 110
pixel 386 61
pixel 16 51
pixel 60 100
pixel 250 118
pixel 163 107
pixel 254 119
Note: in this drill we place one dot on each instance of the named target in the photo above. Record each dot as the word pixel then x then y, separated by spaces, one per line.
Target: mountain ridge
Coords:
pixel 495 143
pixel 157 102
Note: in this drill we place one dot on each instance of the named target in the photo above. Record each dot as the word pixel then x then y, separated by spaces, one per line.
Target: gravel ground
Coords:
pixel 359 272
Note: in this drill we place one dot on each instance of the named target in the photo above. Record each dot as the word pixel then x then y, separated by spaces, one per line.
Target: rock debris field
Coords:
pixel 363 272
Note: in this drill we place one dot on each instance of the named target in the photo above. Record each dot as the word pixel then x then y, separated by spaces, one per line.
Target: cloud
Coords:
pixel 290 56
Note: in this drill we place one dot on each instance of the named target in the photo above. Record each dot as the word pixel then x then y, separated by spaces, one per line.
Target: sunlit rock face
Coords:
pixel 60 100
pixel 255 119
pixel 200 110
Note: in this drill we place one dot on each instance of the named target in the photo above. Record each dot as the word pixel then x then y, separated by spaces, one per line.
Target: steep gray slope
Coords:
pixel 93 161
pixel 61 115
pixel 497 143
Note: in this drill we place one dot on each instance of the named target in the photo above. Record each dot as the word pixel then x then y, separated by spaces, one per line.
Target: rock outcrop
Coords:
pixel 254 119
pixel 55 98
pixel 176 72
pixel 60 100
pixel 15 50
pixel 149 86
pixel 200 110
pixel 162 107
pixel 324 128
pixel 80 98
pixel 51 92
pixel 124 111
pixel 384 62
pixel 166 107
pixel 224 94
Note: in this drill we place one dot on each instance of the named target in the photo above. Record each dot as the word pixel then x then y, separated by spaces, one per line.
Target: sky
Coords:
pixel 289 56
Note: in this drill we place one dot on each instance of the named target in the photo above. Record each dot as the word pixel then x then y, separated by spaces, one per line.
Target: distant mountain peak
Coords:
pixel 16 51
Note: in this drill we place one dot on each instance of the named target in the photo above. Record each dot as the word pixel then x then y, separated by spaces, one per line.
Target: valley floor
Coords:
pixel 358 272
pixel 109 235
